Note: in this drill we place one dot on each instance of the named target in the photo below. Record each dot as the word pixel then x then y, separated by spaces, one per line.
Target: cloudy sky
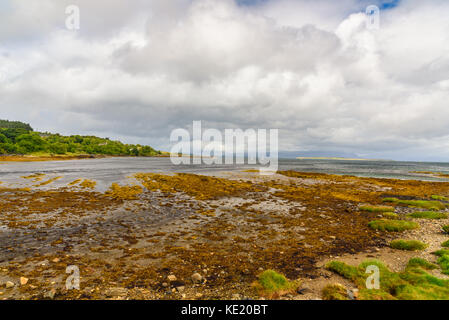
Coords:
pixel 137 69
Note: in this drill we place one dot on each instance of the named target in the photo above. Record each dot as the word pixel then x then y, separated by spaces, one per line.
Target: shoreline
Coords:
pixel 40 158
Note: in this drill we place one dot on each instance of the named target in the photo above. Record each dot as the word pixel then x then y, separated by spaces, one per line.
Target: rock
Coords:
pixel 50 294
pixel 199 295
pixel 56 260
pixel 165 284
pixel 197 278
pixel 116 291
pixel 9 284
pixel 235 296
pixel 180 289
pixel 304 291
pixel 353 294
pixel 23 281
pixel 171 278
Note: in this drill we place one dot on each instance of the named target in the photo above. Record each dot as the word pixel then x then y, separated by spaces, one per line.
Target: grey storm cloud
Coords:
pixel 138 69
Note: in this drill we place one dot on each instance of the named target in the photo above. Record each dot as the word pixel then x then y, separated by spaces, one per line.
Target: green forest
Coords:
pixel 20 139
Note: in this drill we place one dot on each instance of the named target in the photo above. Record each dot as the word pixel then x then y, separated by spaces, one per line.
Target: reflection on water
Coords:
pixel 108 170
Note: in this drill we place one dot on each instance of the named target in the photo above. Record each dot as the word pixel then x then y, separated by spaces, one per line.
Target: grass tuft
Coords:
pixel 426 204
pixel 445 244
pixel 377 208
pixel 273 284
pixel 414 283
pixel 441 198
pixel 422 263
pixel 334 292
pixel 443 261
pixel 428 215
pixel 390 215
pixel 392 225
pixel 409 245
pixel 445 228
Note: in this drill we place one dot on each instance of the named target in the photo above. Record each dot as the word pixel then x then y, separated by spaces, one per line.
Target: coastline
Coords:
pixel 39 158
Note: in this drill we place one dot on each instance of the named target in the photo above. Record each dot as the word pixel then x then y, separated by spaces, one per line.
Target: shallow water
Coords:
pixel 108 170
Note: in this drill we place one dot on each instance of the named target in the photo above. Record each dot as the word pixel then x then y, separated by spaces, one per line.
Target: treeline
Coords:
pixel 15 125
pixel 19 138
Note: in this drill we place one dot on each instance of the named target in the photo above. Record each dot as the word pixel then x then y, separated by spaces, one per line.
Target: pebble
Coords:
pixel 304 290
pixel 50 294
pixel 114 292
pixel 180 289
pixel 9 284
pixel 353 294
pixel 23 281
pixel 197 278
pixel 172 278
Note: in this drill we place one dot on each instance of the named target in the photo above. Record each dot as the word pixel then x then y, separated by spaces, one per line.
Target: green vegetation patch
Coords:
pixel 414 283
pixel 19 138
pixel 441 198
pixel 6 124
pixel 428 215
pixel 334 292
pixel 445 244
pixel 445 228
pixel 271 284
pixel 426 204
pixel 390 215
pixel 377 208
pixel 422 263
pixel 393 225
pixel 443 260
pixel 409 245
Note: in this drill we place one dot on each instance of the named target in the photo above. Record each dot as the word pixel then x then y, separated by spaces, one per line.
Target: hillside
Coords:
pixel 19 138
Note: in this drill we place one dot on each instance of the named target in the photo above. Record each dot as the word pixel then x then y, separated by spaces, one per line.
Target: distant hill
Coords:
pixel 6 124
pixel 19 138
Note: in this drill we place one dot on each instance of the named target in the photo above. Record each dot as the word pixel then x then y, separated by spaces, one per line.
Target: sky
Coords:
pixel 136 70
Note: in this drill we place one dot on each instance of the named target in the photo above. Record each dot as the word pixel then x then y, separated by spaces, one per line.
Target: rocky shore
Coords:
pixel 186 236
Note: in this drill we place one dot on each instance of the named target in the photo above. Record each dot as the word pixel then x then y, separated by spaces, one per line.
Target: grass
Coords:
pixel 390 215
pixel 377 208
pixel 414 283
pixel 426 204
pixel 445 228
pixel 441 198
pixel 428 215
pixel 445 244
pixel 409 245
pixel 334 292
pixel 422 263
pixel 273 284
pixel 392 225
pixel 443 260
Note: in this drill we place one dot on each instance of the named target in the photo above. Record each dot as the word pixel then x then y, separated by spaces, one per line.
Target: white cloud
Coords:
pixel 309 68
